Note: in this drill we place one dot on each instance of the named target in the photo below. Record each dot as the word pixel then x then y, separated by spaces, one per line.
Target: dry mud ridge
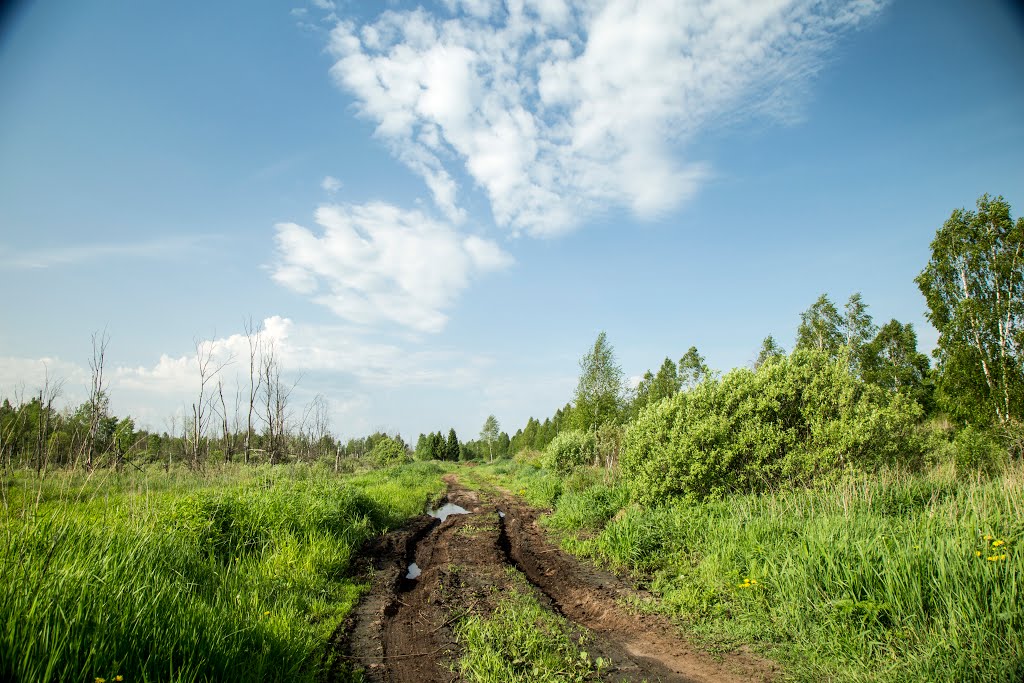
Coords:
pixel 401 631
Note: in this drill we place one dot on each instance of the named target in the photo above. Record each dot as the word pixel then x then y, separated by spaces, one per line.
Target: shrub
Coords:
pixel 387 451
pixel 788 422
pixel 569 450
pixel 976 450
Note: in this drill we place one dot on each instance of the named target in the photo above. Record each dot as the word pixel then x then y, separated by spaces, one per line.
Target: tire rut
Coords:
pixel 402 630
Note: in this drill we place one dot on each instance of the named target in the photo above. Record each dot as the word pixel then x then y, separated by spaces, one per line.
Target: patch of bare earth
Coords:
pixel 402 630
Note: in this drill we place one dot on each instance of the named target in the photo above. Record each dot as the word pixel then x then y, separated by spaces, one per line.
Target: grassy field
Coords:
pixel 239 574
pixel 884 578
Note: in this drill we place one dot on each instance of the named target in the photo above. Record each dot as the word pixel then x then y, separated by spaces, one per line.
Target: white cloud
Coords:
pixel 376 263
pixel 558 111
pixel 330 184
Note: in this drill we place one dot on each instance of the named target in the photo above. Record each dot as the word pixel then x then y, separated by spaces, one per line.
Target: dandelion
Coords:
pixel 266 614
pixel 977 553
pixel 119 678
pixel 998 542
pixel 100 680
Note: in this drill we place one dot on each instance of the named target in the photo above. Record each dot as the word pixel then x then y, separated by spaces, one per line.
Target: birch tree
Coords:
pixel 974 287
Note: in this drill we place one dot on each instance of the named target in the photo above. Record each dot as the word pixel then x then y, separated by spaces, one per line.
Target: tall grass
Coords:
pixel 883 578
pixel 239 575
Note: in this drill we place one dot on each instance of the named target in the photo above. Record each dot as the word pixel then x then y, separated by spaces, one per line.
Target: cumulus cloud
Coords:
pixel 376 263
pixel 560 110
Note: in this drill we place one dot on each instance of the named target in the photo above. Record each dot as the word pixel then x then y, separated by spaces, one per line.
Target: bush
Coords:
pixel 569 450
pixel 977 451
pixel 790 421
pixel 387 451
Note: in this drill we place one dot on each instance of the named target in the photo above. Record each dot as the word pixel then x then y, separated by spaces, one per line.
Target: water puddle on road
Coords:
pixel 443 512
pixel 414 572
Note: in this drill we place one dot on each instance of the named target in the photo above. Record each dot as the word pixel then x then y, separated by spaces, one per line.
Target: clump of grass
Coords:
pixel 239 575
pixel 521 642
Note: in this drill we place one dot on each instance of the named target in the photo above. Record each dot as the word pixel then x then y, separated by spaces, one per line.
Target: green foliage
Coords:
pixel 770 350
pixel 882 577
pixel 977 451
pixel 820 328
pixel 569 450
pixel 388 451
pixel 974 287
pixel 239 575
pixel 521 642
pixel 692 368
pixel 790 421
pixel 600 394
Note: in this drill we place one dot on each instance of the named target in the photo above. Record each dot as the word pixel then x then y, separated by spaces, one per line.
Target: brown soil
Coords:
pixel 402 629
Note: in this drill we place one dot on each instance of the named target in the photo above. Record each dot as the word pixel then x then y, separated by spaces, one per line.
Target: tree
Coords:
pixel 770 349
pixel 892 361
pixel 821 328
pixel 600 393
pixel 451 449
pixel 653 388
pixel 489 434
pixel 974 287
pixel 254 338
pixel 98 400
pixel 692 368
pixel 858 330
pixel 388 451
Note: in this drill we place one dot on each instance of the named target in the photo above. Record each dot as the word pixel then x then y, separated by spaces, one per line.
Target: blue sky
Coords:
pixel 436 207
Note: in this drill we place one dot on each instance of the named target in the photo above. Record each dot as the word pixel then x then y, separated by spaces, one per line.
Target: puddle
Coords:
pixel 443 512
pixel 414 571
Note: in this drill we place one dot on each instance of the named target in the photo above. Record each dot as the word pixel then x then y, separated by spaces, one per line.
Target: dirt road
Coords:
pixel 402 629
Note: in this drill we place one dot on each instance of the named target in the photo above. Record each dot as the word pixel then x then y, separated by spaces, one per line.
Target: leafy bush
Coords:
pixel 976 450
pixel 790 421
pixel 569 450
pixel 387 451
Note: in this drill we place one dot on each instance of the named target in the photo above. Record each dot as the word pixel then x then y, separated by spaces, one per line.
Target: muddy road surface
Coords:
pixel 403 629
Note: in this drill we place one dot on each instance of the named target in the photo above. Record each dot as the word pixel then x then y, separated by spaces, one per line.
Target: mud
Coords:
pixel 402 630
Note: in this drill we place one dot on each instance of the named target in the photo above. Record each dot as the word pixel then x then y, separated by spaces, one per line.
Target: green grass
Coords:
pixel 522 642
pixel 241 574
pixel 883 578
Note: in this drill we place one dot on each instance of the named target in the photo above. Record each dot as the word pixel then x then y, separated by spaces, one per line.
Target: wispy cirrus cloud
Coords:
pixel 560 110
pixel 49 257
pixel 375 263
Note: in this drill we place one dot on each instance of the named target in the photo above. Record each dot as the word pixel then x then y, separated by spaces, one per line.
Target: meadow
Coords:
pixel 239 573
pixel 872 577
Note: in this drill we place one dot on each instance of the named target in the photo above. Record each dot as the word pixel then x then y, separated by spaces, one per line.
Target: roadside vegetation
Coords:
pixel 240 574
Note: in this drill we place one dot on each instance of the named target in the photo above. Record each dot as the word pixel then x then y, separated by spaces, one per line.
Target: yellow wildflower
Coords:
pixel 992 558
pixel 119 678
pixel 1002 557
pixel 988 537
pixel 998 542
pixel 977 553
pixel 266 614
pixel 100 680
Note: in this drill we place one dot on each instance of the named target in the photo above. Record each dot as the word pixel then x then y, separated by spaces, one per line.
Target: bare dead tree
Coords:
pixel 254 337
pixel 222 413
pixel 97 393
pixel 209 368
pixel 47 395
pixel 314 427
pixel 275 402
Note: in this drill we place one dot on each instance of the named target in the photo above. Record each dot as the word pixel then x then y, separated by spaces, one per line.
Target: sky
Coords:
pixel 433 209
